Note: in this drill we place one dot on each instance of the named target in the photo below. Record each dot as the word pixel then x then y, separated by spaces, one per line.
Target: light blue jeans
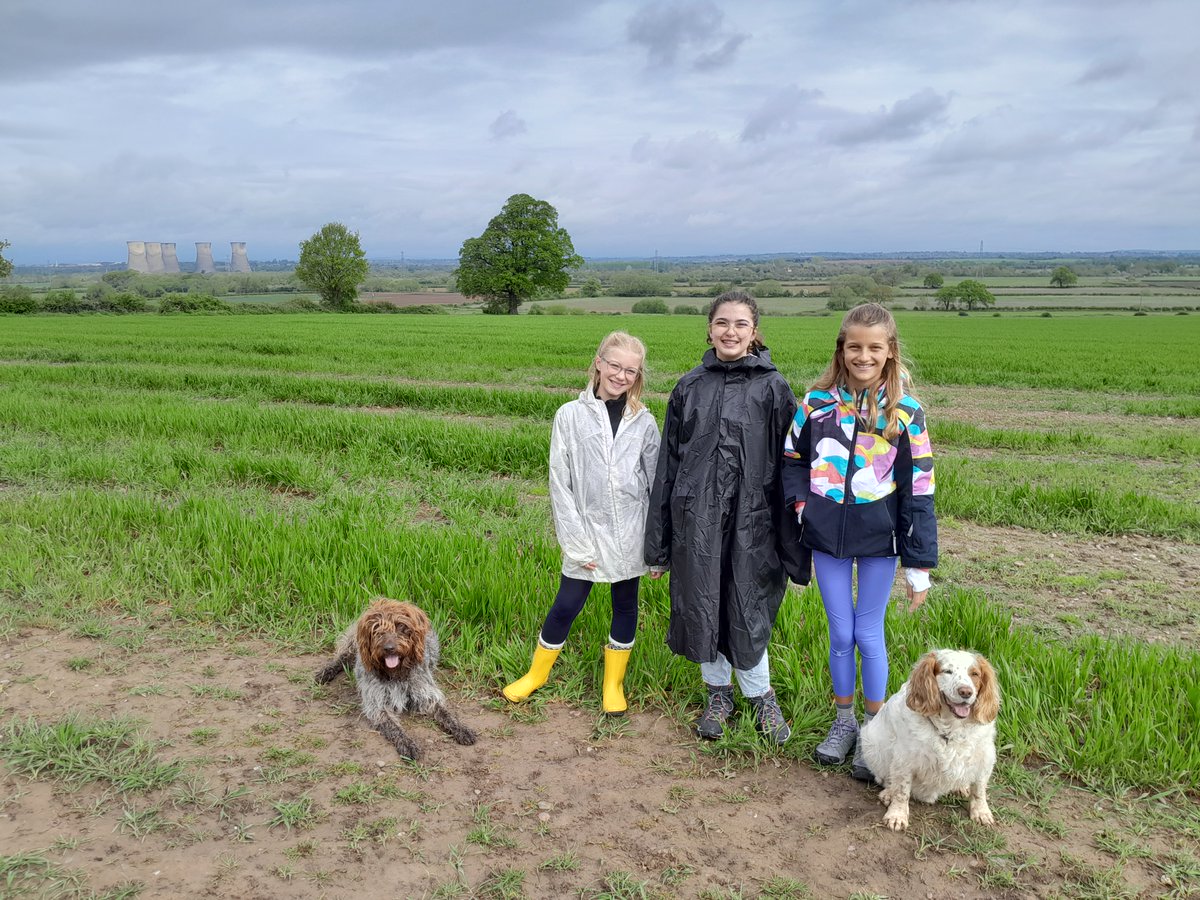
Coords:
pixel 754 682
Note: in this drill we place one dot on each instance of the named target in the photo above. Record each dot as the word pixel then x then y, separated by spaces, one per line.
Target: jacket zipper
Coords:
pixel 849 476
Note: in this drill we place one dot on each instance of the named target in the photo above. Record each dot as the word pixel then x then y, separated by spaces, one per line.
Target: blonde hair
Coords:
pixel 896 378
pixel 619 340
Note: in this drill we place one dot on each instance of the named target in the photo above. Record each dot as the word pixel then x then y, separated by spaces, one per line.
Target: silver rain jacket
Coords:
pixel 600 488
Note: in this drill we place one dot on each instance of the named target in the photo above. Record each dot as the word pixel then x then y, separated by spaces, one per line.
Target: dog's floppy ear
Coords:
pixel 924 697
pixel 417 623
pixel 987 702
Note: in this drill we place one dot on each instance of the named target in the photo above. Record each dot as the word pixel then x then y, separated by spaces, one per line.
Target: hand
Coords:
pixel 591 567
pixel 656 573
pixel 916 598
pixel 917 586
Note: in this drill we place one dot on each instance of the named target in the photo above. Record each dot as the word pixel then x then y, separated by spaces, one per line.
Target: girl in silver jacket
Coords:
pixel 602 455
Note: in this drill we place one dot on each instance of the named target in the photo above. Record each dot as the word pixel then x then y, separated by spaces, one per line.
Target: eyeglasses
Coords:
pixel 613 369
pixel 736 325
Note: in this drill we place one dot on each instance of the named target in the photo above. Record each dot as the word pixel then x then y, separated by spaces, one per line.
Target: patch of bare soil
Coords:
pixel 287 793
pixel 1036 408
pixel 1068 585
pixel 437 298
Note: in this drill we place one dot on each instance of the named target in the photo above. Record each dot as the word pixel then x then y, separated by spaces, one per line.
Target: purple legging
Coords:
pixel 856 624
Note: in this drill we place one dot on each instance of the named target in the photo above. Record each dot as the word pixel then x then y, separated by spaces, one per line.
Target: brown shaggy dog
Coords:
pixel 394 649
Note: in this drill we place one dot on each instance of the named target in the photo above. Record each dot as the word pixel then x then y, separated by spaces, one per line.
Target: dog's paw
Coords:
pixel 408 750
pixel 896 820
pixel 981 814
pixel 466 737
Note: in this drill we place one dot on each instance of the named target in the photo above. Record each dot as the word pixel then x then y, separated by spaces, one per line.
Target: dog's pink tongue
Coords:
pixel 392 660
pixel 961 710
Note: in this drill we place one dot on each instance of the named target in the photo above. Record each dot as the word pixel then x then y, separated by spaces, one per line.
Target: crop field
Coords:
pixel 230 491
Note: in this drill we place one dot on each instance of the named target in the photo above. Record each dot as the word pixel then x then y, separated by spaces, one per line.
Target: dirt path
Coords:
pixel 551 802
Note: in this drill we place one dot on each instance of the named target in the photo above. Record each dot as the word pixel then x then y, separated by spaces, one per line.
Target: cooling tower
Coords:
pixel 237 258
pixel 137 256
pixel 170 260
pixel 204 260
pixel 154 260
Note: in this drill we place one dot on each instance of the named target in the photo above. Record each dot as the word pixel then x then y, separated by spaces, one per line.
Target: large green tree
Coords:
pixel 333 264
pixel 6 266
pixel 1063 277
pixel 522 253
pixel 970 292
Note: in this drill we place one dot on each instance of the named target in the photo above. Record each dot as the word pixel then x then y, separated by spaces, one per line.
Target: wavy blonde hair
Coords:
pixel 897 380
pixel 620 340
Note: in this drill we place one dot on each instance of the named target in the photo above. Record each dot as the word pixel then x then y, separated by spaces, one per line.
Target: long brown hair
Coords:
pixel 619 340
pixel 897 380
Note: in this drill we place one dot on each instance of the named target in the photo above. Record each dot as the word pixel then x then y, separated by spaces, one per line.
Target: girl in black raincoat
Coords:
pixel 717 519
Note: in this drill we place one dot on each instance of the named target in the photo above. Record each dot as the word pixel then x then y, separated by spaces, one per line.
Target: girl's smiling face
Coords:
pixel 865 352
pixel 618 370
pixel 732 330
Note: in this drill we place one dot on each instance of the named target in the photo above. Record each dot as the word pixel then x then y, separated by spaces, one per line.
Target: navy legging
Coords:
pixel 572 592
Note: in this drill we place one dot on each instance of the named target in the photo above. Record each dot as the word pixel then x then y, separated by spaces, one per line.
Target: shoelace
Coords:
pixel 770 713
pixel 842 728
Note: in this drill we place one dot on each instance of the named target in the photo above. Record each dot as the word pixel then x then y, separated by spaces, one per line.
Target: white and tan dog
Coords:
pixel 937 734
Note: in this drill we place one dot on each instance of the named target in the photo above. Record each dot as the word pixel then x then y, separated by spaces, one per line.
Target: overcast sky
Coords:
pixel 681 127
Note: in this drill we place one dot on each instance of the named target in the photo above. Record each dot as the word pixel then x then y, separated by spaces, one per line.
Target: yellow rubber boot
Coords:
pixel 539 671
pixel 615 662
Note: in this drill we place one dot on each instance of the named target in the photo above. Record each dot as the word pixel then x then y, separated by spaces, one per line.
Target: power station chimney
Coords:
pixel 204 260
pixel 137 256
pixel 237 258
pixel 170 260
pixel 154 259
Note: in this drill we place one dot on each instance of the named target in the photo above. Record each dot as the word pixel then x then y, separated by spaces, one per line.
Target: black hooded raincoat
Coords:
pixel 717 517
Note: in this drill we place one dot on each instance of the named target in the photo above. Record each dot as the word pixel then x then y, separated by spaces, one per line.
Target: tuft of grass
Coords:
pixel 297 813
pixel 782 888
pixel 620 885
pixel 82 751
pixel 502 884
pixel 567 861
pixel 140 822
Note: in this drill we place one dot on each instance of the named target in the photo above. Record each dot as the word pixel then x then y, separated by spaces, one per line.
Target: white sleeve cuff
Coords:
pixel 918 579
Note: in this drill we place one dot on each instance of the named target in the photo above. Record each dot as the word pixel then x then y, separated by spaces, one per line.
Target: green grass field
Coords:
pixel 272 473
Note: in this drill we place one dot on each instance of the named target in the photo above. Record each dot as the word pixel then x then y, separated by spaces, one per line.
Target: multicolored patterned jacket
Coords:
pixel 862 495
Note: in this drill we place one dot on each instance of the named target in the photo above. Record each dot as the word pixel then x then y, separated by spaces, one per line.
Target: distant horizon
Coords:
pixel 876 255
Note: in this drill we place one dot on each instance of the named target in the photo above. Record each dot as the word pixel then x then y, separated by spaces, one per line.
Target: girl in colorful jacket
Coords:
pixel 603 449
pixel 858 469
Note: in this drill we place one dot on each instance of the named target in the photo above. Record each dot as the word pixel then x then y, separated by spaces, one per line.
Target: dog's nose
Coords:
pixel 965 691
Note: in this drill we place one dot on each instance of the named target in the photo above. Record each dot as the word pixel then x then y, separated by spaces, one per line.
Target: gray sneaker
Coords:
pixel 711 724
pixel 768 717
pixel 842 737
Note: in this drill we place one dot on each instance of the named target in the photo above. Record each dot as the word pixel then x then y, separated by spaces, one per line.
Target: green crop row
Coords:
pixel 1115 714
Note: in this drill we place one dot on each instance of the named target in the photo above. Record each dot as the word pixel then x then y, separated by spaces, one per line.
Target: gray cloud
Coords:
pixel 664 30
pixel 1109 69
pixel 779 113
pixel 507 124
pixel 116 31
pixel 907 118
pixel 1013 122
pixel 722 56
